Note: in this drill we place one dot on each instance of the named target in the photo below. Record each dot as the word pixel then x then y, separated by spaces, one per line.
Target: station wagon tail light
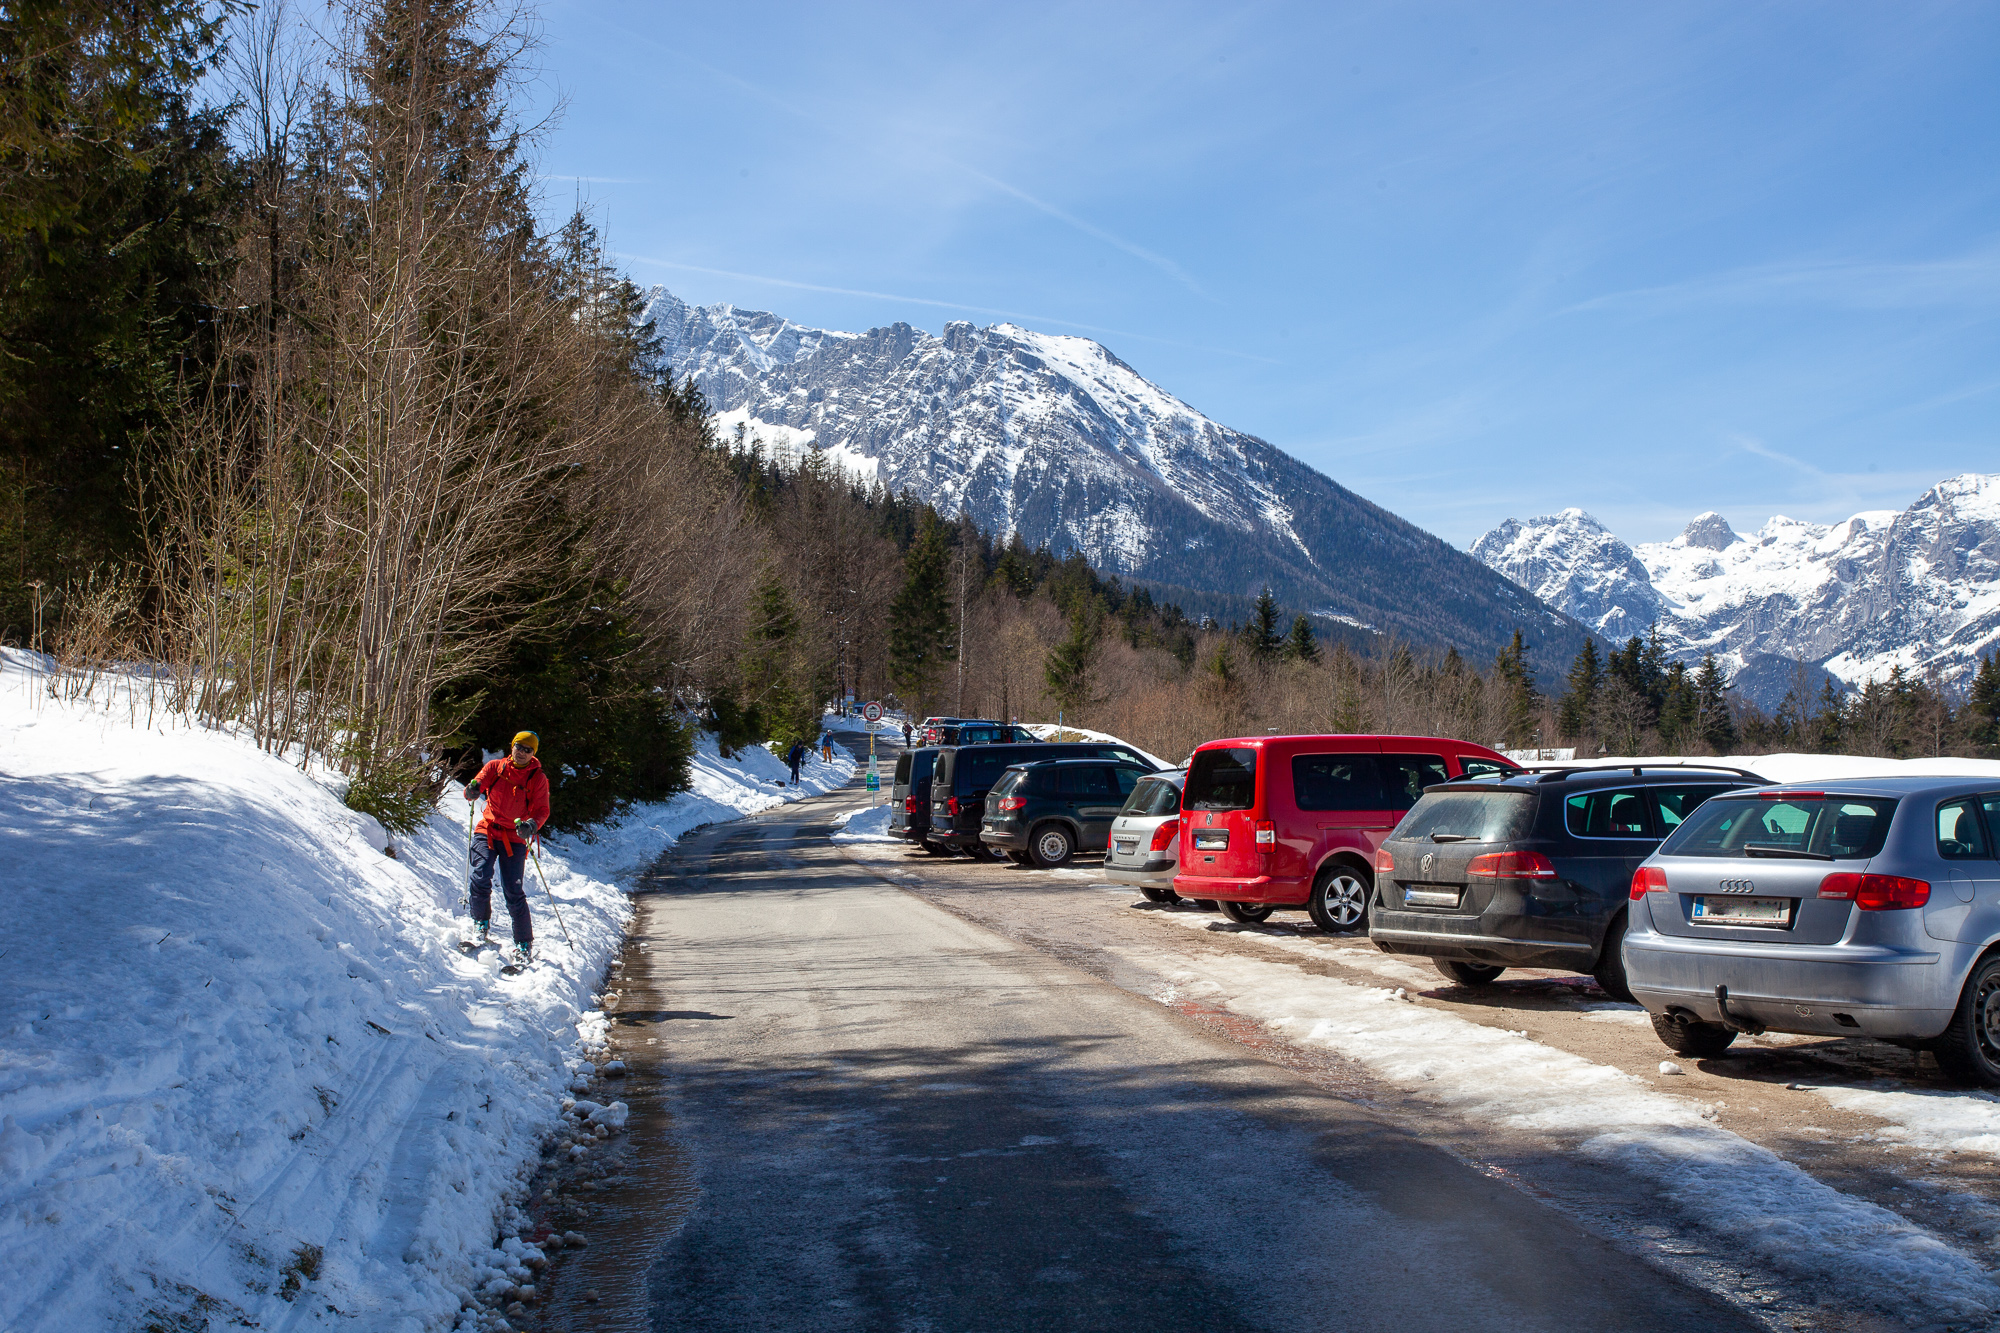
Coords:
pixel 1876 893
pixel 1385 861
pixel 1164 835
pixel 1511 865
pixel 1267 833
pixel 1648 879
pixel 1011 803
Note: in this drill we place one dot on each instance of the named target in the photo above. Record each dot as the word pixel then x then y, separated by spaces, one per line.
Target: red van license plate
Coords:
pixel 1744 911
pixel 1211 839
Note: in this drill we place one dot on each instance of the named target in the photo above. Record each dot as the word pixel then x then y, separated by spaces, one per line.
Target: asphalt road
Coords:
pixel 858 1110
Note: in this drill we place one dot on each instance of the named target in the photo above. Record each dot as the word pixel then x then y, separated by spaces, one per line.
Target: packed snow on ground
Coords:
pixel 753 779
pixel 867 825
pixel 1747 1195
pixel 246 1076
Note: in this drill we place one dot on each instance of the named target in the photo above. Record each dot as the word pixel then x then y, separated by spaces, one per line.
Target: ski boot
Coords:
pixel 477 940
pixel 518 959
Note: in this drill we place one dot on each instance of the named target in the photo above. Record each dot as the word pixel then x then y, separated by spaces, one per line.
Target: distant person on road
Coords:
pixel 517 805
pixel 796 756
pixel 826 745
pixel 906 735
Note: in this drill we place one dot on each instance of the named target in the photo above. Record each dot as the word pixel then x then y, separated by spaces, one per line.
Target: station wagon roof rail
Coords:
pixel 1557 772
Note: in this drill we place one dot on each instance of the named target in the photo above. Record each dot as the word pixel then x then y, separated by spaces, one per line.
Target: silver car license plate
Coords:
pixel 1127 846
pixel 1743 911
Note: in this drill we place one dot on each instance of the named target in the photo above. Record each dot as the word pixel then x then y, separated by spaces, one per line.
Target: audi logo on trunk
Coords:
pixel 1737 885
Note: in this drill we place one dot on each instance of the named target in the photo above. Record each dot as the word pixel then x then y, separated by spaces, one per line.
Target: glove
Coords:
pixel 472 792
pixel 525 827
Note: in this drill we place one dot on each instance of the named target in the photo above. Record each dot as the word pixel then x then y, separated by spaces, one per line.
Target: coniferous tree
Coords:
pixel 1712 721
pixel 1679 712
pixel 922 634
pixel 1983 707
pixel 1070 669
pixel 1828 726
pixel 1518 697
pixel 1262 632
pixel 1303 645
pixel 1579 702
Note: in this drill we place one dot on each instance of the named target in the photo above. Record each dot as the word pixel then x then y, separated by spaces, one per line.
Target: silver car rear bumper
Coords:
pixel 1830 989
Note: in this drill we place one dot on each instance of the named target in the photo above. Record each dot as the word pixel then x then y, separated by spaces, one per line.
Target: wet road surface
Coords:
pixel 855 1109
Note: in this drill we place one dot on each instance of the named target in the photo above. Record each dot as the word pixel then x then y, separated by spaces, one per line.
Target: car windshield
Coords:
pixel 1153 796
pixel 1222 779
pixel 1832 828
pixel 1469 816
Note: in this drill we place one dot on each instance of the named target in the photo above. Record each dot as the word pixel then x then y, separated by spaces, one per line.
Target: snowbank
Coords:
pixel 1050 731
pixel 246 1076
pixel 869 825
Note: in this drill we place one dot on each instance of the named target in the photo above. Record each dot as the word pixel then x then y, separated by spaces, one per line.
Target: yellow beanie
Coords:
pixel 529 739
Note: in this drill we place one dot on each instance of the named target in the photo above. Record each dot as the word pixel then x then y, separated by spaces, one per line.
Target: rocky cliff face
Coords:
pixel 1920 587
pixel 1057 439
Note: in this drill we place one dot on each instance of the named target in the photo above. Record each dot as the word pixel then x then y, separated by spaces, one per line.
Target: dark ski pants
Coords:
pixel 512 864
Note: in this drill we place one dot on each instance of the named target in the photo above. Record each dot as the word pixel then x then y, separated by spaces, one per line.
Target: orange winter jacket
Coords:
pixel 512 792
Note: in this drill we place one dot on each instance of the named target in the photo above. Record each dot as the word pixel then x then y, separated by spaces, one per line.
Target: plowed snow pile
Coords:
pixel 246 1076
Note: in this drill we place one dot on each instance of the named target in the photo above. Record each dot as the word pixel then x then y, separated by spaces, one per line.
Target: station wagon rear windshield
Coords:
pixel 1809 827
pixel 1469 816
pixel 1153 796
pixel 1222 779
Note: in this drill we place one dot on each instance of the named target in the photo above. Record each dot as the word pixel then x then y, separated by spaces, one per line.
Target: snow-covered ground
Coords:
pixel 246 1076
pixel 870 824
pixel 1049 731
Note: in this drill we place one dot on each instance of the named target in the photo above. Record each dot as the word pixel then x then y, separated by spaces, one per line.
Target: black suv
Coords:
pixel 984 733
pixel 963 775
pixel 1045 813
pixel 911 798
pixel 1533 869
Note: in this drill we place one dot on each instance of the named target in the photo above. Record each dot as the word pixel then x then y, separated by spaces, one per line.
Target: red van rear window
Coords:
pixel 1224 778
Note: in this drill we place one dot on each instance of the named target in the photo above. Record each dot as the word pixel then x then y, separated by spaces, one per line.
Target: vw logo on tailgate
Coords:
pixel 1737 885
pixel 1430 859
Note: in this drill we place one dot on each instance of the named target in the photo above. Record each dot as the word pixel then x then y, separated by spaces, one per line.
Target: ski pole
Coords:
pixel 534 850
pixel 470 817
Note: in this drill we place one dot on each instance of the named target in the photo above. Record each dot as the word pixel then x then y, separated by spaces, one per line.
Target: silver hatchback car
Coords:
pixel 1858 907
pixel 1144 851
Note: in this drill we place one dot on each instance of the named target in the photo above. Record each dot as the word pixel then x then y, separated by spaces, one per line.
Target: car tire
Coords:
pixel 1247 913
pixel 979 851
pixel 1468 974
pixel 1159 895
pixel 1610 971
pixel 1050 846
pixel 1691 1036
pixel 1969 1047
pixel 936 848
pixel 1339 902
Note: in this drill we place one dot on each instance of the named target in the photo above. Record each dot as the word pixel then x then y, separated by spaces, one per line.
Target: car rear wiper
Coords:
pixel 1451 837
pixel 1787 853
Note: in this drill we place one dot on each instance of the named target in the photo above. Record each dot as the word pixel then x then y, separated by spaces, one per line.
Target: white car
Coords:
pixel 1145 844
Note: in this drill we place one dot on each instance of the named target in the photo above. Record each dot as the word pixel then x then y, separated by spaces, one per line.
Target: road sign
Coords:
pixel 873 712
pixel 874 782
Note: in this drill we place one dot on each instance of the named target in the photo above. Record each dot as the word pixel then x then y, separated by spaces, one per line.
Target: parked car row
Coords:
pixel 1721 902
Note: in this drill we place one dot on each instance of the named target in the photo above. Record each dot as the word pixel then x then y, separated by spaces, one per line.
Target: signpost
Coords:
pixel 872 714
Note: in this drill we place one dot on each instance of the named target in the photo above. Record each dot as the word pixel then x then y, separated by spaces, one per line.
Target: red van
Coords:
pixel 1294 821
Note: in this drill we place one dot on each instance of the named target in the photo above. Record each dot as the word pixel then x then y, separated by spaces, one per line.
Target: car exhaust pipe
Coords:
pixel 1747 1026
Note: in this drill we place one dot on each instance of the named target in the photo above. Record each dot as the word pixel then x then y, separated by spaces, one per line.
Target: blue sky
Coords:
pixel 1471 260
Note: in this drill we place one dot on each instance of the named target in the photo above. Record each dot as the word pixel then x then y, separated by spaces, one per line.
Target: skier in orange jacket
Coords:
pixel 517 805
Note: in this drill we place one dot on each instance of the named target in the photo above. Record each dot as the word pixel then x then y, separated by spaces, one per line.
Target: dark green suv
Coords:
pixel 1044 813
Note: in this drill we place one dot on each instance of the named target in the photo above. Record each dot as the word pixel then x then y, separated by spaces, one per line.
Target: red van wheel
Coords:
pixel 1248 913
pixel 1339 902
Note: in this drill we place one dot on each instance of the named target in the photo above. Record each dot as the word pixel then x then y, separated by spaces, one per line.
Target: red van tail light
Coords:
pixel 1876 893
pixel 1511 865
pixel 1648 879
pixel 1385 861
pixel 1267 833
pixel 1011 803
pixel 910 805
pixel 1164 835
pixel 951 806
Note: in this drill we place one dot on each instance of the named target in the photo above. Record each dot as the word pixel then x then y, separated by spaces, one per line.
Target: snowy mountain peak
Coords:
pixel 1919 587
pixel 1056 438
pixel 1710 532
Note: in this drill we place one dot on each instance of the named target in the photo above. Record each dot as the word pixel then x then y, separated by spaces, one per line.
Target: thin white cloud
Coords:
pixel 1158 261
pixel 796 285
pixel 1968 280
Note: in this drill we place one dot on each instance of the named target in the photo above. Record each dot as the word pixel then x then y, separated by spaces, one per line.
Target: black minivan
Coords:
pixel 911 797
pixel 964 774
pixel 1531 869
pixel 1045 813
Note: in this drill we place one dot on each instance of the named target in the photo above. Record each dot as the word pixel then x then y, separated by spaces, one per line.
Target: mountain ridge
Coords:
pixel 1053 436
